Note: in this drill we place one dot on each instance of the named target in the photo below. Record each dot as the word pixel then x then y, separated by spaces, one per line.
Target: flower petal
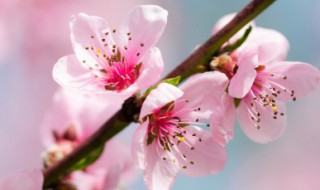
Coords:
pixel 200 154
pixel 137 146
pixel 159 174
pixel 160 96
pixel 152 67
pixel 88 37
pixel 223 120
pixel 242 81
pixel 302 78
pixel 146 24
pixel 116 160
pixel 89 180
pixel 270 44
pixel 271 125
pixel 69 73
pixel 28 179
pixel 205 91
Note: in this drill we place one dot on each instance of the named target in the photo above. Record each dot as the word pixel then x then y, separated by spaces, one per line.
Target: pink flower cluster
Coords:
pixel 182 129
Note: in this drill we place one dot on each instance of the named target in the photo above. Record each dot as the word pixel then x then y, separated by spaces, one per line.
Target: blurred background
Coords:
pixel 34 34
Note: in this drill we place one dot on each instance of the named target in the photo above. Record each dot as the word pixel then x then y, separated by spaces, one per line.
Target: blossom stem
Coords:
pixel 195 63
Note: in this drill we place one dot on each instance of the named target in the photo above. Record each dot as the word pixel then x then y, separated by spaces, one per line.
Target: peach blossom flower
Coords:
pixel 112 64
pixel 261 83
pixel 171 138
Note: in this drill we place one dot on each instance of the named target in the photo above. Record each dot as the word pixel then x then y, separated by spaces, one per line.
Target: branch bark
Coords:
pixel 195 63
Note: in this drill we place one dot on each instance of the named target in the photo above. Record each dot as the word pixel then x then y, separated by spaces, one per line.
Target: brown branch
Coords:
pixel 193 64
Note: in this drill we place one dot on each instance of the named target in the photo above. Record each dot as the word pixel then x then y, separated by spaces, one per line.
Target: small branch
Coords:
pixel 193 64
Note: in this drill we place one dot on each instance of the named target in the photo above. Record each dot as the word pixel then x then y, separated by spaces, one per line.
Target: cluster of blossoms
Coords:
pixel 183 128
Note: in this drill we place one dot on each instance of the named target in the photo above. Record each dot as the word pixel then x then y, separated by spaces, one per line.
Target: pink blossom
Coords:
pixel 263 82
pixel 109 63
pixel 171 138
pixel 70 121
pixel 27 179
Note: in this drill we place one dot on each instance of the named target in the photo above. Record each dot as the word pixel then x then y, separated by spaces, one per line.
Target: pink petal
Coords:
pixel 207 157
pixel 88 31
pixel 28 179
pixel 205 91
pixel 223 120
pixel 160 96
pixel 151 69
pixel 242 81
pixel 159 174
pixel 270 128
pixel 137 146
pixel 85 180
pixel 302 78
pixel 118 163
pixel 58 118
pixel 271 44
pixel 69 73
pixel 146 24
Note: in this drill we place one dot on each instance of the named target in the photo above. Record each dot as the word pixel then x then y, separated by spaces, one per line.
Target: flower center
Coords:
pixel 114 68
pixel 168 128
pixel 265 91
